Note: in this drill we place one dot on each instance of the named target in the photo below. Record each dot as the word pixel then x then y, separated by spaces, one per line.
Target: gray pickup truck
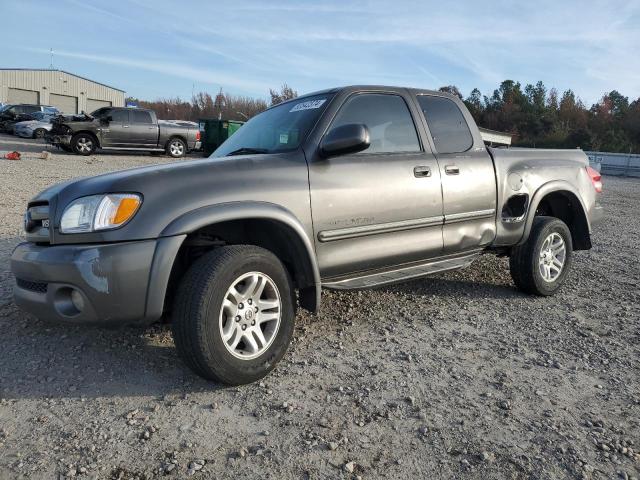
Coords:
pixel 113 128
pixel 345 189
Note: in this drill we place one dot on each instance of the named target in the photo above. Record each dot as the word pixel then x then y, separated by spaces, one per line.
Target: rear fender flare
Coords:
pixel 543 191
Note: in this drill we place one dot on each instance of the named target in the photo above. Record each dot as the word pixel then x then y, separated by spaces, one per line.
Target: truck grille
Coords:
pixel 36 223
pixel 32 286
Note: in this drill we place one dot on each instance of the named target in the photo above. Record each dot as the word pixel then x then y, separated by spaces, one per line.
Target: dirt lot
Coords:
pixel 455 376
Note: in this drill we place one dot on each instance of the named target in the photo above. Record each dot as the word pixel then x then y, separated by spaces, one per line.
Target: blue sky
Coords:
pixel 160 48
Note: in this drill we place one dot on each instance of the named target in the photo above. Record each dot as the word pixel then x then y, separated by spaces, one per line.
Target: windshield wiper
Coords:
pixel 247 150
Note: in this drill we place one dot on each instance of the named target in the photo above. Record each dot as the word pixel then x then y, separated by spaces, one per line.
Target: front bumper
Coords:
pixel 59 139
pixel 99 284
pixel 23 132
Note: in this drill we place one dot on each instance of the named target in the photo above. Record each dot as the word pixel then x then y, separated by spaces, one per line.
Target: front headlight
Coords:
pixel 99 212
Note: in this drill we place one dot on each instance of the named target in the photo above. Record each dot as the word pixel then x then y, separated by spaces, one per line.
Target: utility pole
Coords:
pixel 51 64
pixel 220 103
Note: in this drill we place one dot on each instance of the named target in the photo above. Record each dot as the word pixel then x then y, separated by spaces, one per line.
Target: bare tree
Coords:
pixel 285 93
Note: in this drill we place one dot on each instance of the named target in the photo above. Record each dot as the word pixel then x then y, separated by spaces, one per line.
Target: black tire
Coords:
pixel 197 314
pixel 524 262
pixel 176 148
pixel 84 144
pixel 39 133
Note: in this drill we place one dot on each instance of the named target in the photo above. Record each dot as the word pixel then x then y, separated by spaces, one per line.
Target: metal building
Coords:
pixel 68 92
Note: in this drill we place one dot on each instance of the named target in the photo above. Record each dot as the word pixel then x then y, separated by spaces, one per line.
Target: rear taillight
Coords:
pixel 197 135
pixel 596 179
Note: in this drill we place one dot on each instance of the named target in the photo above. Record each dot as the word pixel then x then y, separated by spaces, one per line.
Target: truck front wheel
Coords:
pixel 540 266
pixel 233 315
pixel 83 144
pixel 176 148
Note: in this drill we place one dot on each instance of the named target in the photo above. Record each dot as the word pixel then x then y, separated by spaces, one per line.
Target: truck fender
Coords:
pixel 543 191
pixel 211 214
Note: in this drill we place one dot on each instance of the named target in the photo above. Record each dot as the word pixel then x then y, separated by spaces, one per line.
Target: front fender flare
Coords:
pixel 211 214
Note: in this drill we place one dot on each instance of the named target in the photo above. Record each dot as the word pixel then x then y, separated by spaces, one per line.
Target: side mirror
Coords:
pixel 350 138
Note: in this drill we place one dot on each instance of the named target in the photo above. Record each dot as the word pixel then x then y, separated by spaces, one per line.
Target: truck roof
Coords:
pixel 357 88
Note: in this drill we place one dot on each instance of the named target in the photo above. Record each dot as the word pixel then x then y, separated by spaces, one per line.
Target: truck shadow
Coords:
pixel 46 360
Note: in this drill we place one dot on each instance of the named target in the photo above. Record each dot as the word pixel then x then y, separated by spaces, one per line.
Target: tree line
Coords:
pixel 534 115
pixel 537 117
pixel 221 105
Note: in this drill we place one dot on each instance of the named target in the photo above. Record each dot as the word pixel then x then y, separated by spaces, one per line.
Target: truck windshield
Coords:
pixel 279 129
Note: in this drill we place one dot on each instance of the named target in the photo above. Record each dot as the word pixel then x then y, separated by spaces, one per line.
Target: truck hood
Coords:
pixel 170 190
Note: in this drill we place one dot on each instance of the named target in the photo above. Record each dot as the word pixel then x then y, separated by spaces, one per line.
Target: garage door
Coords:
pixel 93 105
pixel 17 95
pixel 64 103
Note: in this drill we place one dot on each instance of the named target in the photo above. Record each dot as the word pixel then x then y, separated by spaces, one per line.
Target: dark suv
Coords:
pixel 14 113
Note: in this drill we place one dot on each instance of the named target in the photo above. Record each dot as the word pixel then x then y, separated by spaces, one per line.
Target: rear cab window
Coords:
pixel 387 117
pixel 141 116
pixel 448 128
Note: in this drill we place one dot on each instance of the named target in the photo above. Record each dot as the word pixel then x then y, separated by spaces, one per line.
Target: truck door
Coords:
pixel 115 133
pixel 382 206
pixel 468 176
pixel 144 133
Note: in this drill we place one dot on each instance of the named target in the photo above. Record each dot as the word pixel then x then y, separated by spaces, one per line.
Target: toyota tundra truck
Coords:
pixel 347 188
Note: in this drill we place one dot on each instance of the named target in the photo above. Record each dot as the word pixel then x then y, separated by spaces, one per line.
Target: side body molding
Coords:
pixel 544 190
pixel 222 212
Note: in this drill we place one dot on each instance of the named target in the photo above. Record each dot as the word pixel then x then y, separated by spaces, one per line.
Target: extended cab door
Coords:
pixel 115 131
pixel 380 207
pixel 468 176
pixel 143 129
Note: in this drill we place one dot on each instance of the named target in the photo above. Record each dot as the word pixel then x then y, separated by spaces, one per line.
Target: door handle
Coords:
pixel 422 171
pixel 451 170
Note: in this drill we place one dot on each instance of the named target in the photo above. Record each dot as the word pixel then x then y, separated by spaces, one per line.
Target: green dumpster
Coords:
pixel 214 132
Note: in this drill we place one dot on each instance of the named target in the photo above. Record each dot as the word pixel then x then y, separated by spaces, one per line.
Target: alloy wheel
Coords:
pixel 250 315
pixel 84 144
pixel 553 254
pixel 176 148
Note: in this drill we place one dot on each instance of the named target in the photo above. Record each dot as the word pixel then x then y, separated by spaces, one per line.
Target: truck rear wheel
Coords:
pixel 540 266
pixel 176 148
pixel 234 314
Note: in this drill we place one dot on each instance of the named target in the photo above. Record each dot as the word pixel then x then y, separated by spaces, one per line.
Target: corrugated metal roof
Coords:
pixel 62 71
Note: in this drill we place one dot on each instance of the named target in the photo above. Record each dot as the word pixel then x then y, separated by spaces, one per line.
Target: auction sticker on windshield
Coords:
pixel 310 105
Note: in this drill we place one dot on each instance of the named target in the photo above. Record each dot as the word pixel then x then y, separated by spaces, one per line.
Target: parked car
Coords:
pixel 36 128
pixel 346 188
pixel 11 114
pixel 112 128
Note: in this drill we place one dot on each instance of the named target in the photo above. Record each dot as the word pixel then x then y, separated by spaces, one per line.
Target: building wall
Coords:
pixel 47 82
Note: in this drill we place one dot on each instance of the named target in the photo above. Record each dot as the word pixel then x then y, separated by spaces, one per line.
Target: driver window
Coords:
pixel 391 128
pixel 119 116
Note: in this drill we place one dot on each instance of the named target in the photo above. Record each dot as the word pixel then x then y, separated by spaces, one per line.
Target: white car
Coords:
pixel 36 128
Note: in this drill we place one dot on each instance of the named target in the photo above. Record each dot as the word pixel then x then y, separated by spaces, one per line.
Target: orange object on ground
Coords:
pixel 12 156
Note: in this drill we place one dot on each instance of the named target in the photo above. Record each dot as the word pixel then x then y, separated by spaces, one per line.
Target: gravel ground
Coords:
pixel 454 376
